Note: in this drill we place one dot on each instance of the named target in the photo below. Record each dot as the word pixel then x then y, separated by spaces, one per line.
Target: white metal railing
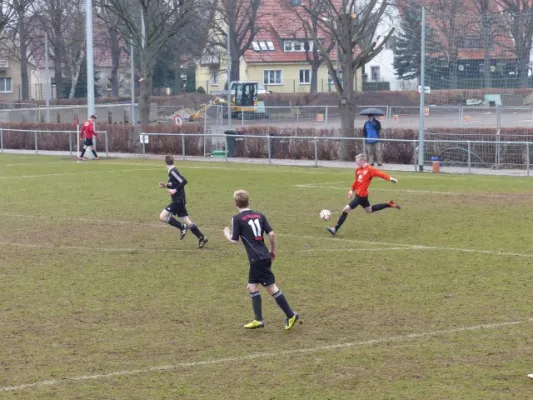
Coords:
pixel 467 153
pixel 37 133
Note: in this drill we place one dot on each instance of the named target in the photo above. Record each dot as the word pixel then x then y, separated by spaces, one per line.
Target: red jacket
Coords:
pixel 88 130
pixel 363 177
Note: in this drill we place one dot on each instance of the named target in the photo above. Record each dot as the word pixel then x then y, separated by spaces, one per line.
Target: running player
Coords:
pixel 251 227
pixel 176 189
pixel 88 133
pixel 363 176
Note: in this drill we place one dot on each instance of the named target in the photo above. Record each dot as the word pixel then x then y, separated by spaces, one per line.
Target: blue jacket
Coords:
pixel 371 131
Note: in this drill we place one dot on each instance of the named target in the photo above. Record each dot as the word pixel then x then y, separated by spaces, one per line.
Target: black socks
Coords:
pixel 379 207
pixel 342 218
pixel 194 229
pixel 175 223
pixel 283 303
pixel 257 306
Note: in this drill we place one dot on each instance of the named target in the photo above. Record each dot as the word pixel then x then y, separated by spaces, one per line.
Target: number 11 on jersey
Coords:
pixel 256 228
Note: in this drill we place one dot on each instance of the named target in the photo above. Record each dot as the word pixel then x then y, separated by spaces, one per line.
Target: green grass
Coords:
pixel 92 283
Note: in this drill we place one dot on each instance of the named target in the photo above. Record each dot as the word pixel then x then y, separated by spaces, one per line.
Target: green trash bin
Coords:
pixel 231 146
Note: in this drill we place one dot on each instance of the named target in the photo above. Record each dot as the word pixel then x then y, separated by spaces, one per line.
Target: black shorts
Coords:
pixel 178 209
pixel 88 142
pixel 359 201
pixel 261 273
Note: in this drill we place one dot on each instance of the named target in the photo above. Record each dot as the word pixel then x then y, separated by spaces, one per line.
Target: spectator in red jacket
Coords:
pixel 88 133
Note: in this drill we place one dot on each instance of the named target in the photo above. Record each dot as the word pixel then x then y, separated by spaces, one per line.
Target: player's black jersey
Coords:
pixel 251 226
pixel 178 182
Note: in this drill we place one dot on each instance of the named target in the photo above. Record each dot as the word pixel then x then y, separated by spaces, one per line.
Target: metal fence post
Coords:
pixel 2 140
pixel 316 152
pixel 414 156
pixel 36 145
pixel 242 118
pixel 469 157
pixel 527 158
pixel 183 145
pixel 297 114
pixel 269 150
pixel 461 116
pixel 143 140
pixel 106 145
pixel 326 116
pixel 498 118
pixel 70 143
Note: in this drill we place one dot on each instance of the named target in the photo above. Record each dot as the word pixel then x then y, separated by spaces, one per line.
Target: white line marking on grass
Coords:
pixel 325 237
pixel 76 173
pixel 103 249
pixel 356 249
pixel 273 354
pixel 436 192
pixel 428 248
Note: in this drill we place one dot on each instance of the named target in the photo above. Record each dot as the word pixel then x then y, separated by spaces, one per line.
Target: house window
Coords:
pixel 214 77
pixel 263 45
pixel 5 85
pixel 296 3
pixel 471 42
pixel 374 72
pixel 272 77
pixel 305 76
pixel 297 45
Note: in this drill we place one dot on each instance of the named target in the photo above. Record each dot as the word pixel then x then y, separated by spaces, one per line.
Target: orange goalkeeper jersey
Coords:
pixel 363 177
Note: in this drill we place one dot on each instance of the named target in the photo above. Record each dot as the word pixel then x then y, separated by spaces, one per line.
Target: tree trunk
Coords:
pixel 75 75
pixel 23 37
pixel 487 74
pixel 523 70
pixel 115 62
pixel 145 96
pixel 314 77
pixel 235 68
pixel 347 109
pixel 453 76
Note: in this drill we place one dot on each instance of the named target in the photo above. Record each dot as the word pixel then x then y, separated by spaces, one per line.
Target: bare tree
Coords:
pixel 450 24
pixel 296 20
pixel 243 19
pixel 20 27
pixel 518 16
pixel 110 38
pixel 349 23
pixel 163 21
pixel 483 7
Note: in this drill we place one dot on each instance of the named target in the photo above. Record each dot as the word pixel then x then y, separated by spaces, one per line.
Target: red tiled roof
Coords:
pixel 279 21
pixel 468 23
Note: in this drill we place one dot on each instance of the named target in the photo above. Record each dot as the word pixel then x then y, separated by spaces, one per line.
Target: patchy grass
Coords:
pixel 91 283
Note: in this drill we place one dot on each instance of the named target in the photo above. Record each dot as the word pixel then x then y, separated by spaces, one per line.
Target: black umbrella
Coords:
pixel 372 111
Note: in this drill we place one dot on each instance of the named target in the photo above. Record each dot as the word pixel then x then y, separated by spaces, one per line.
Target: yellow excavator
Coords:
pixel 244 102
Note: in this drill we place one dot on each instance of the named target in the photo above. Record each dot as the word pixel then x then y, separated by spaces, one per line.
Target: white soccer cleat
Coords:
pixel 530 376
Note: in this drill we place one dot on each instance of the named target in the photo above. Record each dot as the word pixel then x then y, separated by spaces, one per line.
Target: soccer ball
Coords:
pixel 325 215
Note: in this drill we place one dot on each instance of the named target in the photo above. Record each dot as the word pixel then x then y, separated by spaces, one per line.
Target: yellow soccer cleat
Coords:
pixel 289 322
pixel 255 324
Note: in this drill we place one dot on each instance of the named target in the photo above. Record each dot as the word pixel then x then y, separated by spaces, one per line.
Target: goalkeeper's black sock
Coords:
pixel 194 229
pixel 283 303
pixel 341 220
pixel 379 207
pixel 175 223
pixel 257 305
pixel 94 154
pixel 82 153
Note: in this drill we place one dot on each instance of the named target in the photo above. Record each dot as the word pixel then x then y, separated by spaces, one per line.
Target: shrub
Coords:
pixel 200 90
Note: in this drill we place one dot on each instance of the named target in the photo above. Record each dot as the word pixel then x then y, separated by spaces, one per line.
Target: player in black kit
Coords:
pixel 251 226
pixel 176 189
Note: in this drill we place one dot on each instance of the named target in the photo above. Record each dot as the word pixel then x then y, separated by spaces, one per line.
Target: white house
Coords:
pixel 381 68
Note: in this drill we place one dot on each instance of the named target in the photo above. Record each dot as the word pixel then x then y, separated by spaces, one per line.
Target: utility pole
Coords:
pixel 90 57
pixel 422 93
pixel 48 89
pixel 228 74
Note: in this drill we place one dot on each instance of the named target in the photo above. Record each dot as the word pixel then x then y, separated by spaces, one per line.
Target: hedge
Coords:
pixel 121 138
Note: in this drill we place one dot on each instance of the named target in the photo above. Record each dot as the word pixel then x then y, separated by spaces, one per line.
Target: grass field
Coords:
pixel 100 300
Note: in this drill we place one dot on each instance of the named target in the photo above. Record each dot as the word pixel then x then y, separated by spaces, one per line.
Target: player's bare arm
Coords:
pixel 228 235
pixel 272 238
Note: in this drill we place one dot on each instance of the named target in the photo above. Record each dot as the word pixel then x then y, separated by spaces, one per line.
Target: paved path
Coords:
pixel 295 163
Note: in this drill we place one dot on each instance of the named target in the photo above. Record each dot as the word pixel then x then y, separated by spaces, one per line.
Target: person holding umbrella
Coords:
pixel 371 133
